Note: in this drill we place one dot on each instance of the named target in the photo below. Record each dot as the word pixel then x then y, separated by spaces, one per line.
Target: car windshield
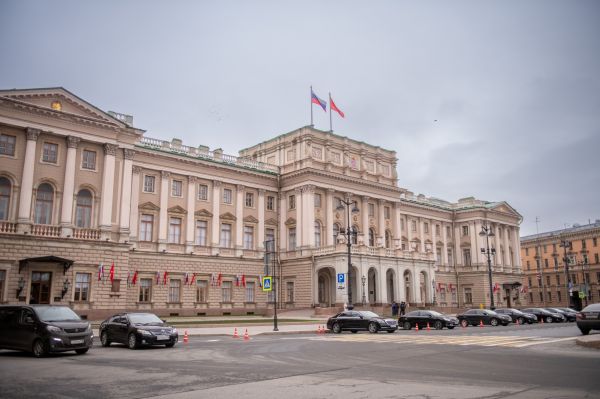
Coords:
pixel 517 312
pixel 144 318
pixel 368 314
pixel 56 313
pixel 491 312
pixel 434 313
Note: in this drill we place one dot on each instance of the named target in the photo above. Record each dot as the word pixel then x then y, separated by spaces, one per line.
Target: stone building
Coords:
pixel 95 214
pixel 545 274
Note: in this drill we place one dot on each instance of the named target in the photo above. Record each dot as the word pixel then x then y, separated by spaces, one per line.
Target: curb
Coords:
pixel 589 342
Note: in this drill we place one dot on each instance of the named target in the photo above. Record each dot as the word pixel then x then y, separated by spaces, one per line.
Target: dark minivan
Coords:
pixel 42 329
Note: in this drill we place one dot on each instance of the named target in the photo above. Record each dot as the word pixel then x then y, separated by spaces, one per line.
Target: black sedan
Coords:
pixel 544 315
pixel 137 329
pixel 589 318
pixel 517 315
pixel 569 313
pixel 475 317
pixel 354 321
pixel 424 318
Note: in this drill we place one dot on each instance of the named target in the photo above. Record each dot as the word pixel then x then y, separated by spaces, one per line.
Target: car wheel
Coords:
pixel 464 323
pixel 373 328
pixel 170 345
pixel 406 325
pixel 438 325
pixel 337 328
pixel 390 331
pixel 132 341
pixel 450 327
pixel 81 351
pixel 104 339
pixel 521 320
pixel 494 322
pixel 584 331
pixel 40 349
pixel 354 331
pixel 549 319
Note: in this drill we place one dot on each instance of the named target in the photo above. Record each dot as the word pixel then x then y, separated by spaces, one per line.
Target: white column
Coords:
pixel 481 243
pixel 381 222
pixel 445 247
pixel 25 195
pixel 261 219
pixel 516 248
pixel 417 285
pixel 135 198
pixel 506 246
pixel 108 185
pixel 422 234
pixel 126 193
pixel 299 227
pixel 191 209
pixel 283 239
pixel 396 227
pixel 409 233
pixel 458 256
pixel 309 215
pixel 215 227
pixel 239 218
pixel 382 285
pixel 432 225
pixel 401 286
pixel 365 220
pixel 473 233
pixel 329 218
pixel 163 223
pixel 66 218
pixel 497 257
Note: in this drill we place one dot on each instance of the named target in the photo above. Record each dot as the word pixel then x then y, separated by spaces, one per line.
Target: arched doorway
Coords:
pixel 390 278
pixel 326 287
pixel 372 284
pixel 407 278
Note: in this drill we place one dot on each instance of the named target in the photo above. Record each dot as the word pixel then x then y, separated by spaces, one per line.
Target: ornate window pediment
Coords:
pixel 271 222
pixel 149 206
pixel 290 222
pixel 250 219
pixel 177 209
pixel 203 212
pixel 228 216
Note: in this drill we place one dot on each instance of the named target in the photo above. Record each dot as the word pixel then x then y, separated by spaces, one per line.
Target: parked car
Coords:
pixel 137 329
pixel 42 329
pixel 352 320
pixel 569 316
pixel 545 315
pixel 589 318
pixel 518 316
pixel 422 318
pixel 571 312
pixel 474 317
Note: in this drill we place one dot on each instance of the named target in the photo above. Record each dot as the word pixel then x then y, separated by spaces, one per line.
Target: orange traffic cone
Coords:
pixel 518 322
pixel 481 323
pixel 319 330
pixel 542 320
pixel 417 327
pixel 246 336
pixel 428 329
pixel 185 337
pixel 323 330
pixel 235 333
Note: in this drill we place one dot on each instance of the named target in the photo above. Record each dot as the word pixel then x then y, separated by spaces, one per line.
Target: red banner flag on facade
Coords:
pixel 112 272
pixel 219 280
pixel 243 280
pixel 134 278
pixel 165 276
pixel 193 279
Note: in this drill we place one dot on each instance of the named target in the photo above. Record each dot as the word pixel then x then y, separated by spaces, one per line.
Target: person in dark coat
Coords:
pixel 402 308
pixel 394 309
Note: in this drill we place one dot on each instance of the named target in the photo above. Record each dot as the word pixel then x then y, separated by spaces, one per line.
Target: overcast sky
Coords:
pixel 494 99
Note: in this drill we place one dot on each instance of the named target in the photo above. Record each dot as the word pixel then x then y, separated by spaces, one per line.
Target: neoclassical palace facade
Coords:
pixel 98 216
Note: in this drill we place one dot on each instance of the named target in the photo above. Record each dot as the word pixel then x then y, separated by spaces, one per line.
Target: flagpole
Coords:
pixel 330 122
pixel 311 111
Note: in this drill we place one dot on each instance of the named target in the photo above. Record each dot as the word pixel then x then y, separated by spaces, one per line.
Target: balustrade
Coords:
pixel 8 227
pixel 86 234
pixel 45 230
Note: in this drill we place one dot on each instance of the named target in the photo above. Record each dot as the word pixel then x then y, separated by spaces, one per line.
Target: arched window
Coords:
pixel 317 234
pixel 336 231
pixel 83 209
pixel 354 239
pixel 5 188
pixel 388 239
pixel 43 204
pixel 371 238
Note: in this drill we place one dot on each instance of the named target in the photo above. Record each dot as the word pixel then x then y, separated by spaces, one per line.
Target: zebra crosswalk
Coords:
pixel 462 340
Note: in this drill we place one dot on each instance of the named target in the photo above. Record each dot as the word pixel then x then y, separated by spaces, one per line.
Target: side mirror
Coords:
pixel 485 313
pixel 164 321
pixel 29 320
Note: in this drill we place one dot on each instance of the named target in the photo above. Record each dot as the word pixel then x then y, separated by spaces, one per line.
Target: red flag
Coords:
pixel 112 272
pixel 243 280
pixel 165 277
pixel 193 279
pixel 219 280
pixel 135 277
pixel 334 107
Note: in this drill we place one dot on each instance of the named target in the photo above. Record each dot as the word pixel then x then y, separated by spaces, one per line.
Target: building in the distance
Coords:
pixel 96 215
pixel 545 269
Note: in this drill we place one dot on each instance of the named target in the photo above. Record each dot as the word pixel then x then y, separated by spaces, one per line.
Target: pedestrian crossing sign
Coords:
pixel 266 283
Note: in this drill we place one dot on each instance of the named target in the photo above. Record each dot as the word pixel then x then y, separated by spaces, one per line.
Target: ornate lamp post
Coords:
pixel 349 234
pixel 565 244
pixel 364 297
pixel 487 232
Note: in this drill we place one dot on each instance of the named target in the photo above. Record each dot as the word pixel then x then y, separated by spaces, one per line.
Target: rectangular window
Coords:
pixel 227 196
pixel 7 144
pixel 145 289
pixel 549 296
pixel 225 235
pixel 545 262
pixel 413 225
pixel 292 201
pixel 467 256
pixel 174 230
pixel 595 241
pixel 426 227
pixel 529 281
pixel 465 231
pixel 317 200
pixel 2 283
pixel 598 277
pixel 448 232
pixel 556 262
pixel 548 281
pixel 248 237
pixel 596 260
pixel 583 246
pixel 176 188
pixel 386 212
pixel 203 192
pixel 531 297
pixel 557 279
pixel 371 210
pixel 558 296
pixel 88 160
pixel 249 200
pixel 270 203
pixel 146 223
pixel 450 260
pixel 115 285
pixel 202 291
pixel 226 291
pixel 149 184
pixel 292 239
pixel 270 237
pixel 82 287
pixel 174 290
pixel 50 153
pixel 468 296
pixel 289 291
pixel 437 230
pixel 526 251
pixel 545 248
pixel 201 227
pixel 527 265
pixel 250 291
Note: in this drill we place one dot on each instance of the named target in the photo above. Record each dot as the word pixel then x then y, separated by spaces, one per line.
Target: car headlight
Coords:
pixel 54 329
pixel 174 331
pixel 89 328
pixel 382 322
pixel 145 332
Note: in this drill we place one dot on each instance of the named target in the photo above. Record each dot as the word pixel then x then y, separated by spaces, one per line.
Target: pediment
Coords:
pixel 203 212
pixel 69 103
pixel 271 222
pixel 149 206
pixel 504 207
pixel 177 209
pixel 228 216
pixel 250 219
pixel 290 222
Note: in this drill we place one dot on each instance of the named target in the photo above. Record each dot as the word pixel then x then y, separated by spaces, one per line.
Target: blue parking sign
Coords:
pixel 341 278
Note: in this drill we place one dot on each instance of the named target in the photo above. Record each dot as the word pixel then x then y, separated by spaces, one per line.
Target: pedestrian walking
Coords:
pixel 394 309
pixel 402 308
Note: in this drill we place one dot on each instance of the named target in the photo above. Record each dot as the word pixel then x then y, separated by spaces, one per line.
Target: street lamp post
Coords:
pixel 565 244
pixel 364 297
pixel 349 233
pixel 487 232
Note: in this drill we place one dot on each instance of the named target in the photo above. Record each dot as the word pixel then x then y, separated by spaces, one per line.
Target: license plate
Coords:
pixel 591 314
pixel 76 341
pixel 162 337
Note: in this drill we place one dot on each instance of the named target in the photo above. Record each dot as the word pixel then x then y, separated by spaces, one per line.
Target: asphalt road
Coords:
pixel 540 361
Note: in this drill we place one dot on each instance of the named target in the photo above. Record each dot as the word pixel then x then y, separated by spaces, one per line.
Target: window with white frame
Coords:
pixel 317 200
pixel 465 231
pixel 386 212
pixel 50 153
pixel 7 144
pixel 149 184
pixel 468 295
pixel 413 225
pixel 146 224
pixel 292 202
pixel 227 196
pixel 248 237
pixel 467 256
pixel 317 234
pixel 202 291
pixel 270 236
pixel 176 188
pixel 83 209
pixel 225 235
pixel 292 239
pixel 201 229
pixel 203 192
pixel 43 204
pixel 371 210
pixel 5 191
pixel 250 287
pixel 145 289
pixel 270 203
pixel 426 227
pixel 88 160
pixel 226 291
pixel 174 290
pixel 289 291
pixel 82 287
pixel 249 200
pixel 174 230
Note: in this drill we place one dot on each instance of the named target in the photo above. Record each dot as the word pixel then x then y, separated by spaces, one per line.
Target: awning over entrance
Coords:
pixel 66 263
pixel 514 285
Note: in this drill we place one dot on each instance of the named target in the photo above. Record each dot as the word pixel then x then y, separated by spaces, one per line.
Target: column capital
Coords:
pixel 33 134
pixel 331 190
pixel 110 149
pixel 298 190
pixel 217 183
pixel 309 188
pixel 137 169
pixel 380 201
pixel 192 179
pixel 365 198
pixel 165 174
pixel 128 153
pixel 72 141
pixel 240 187
pixel 261 191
